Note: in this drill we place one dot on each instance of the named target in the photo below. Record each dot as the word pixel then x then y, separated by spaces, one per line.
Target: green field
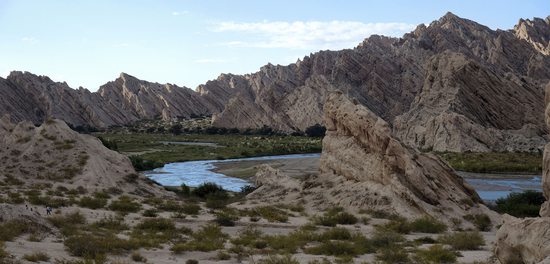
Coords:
pixel 494 162
pixel 149 146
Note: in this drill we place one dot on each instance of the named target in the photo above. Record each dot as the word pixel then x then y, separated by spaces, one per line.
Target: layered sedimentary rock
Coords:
pixel 363 166
pixel 25 96
pixel 54 154
pixel 454 85
pixel 527 240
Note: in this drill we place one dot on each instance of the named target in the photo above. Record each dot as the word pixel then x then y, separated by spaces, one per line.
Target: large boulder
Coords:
pixel 528 240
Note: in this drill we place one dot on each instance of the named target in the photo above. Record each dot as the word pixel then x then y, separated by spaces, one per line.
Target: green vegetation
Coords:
pixel 435 254
pixel 463 240
pixel 208 238
pixel 92 202
pixel 334 216
pixel 525 204
pixel 481 221
pixel 270 213
pixel 153 232
pixel 494 161
pixel 125 204
pixel 149 151
pixel 36 257
pixel 12 229
pixel 286 259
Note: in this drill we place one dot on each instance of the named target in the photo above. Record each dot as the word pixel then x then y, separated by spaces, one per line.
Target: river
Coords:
pixel 489 186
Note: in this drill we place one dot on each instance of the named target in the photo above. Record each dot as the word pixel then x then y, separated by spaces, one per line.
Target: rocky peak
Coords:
pixel 535 32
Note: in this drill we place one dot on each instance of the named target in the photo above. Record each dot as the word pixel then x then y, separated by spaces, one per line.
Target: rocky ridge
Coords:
pixel 454 85
pixel 363 166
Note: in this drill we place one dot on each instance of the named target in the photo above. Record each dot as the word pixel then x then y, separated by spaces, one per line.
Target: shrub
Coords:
pixel 427 225
pixel 270 213
pixel 399 225
pixel 93 245
pixel 333 248
pixel 92 203
pixel 12 229
pixel 208 238
pixel 225 219
pixel 384 239
pixel 335 216
pixel 222 255
pixel 336 233
pixel 392 254
pixel 185 190
pixel 138 257
pixel 150 213
pixel 125 204
pixel 191 209
pixel 111 223
pixel 3 253
pixel 207 189
pixel 142 165
pixel 463 240
pixel 435 254
pixel 36 257
pixel 287 259
pixel 153 232
pixel 525 204
pixel 481 221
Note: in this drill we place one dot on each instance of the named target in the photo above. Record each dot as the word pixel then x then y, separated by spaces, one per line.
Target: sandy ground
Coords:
pixel 52 244
pixel 296 167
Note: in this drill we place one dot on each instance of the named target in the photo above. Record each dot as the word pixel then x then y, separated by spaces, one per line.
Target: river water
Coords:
pixel 489 186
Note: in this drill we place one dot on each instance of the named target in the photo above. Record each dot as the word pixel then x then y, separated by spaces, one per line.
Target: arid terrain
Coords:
pixel 387 126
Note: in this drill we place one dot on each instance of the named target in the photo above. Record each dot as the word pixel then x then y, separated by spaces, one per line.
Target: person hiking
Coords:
pixel 48 210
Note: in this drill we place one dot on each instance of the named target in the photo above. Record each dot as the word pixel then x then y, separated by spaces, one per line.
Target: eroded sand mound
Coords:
pixel 54 154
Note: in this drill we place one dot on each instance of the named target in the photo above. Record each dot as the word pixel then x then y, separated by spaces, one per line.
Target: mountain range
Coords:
pixel 454 85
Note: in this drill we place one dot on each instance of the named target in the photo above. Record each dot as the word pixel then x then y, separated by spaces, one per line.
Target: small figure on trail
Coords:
pixel 48 210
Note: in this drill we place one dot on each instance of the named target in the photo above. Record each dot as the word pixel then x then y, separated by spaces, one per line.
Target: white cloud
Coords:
pixel 28 40
pixel 179 13
pixel 121 45
pixel 210 61
pixel 311 34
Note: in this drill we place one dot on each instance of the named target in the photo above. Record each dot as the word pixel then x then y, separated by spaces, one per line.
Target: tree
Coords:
pixel 176 129
pixel 316 131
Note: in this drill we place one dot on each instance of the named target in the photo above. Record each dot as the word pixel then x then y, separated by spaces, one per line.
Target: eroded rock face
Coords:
pixel 527 240
pixel 25 96
pixel 359 149
pixel 363 166
pixel 54 154
pixel 454 85
pixel 524 240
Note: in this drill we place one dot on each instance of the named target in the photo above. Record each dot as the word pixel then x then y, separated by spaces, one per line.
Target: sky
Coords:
pixel 88 43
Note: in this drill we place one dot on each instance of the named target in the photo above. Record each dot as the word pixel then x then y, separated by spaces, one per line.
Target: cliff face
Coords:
pixel 527 240
pixel 26 96
pixel 454 85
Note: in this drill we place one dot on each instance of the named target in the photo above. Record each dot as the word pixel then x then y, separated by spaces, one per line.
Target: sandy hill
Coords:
pixel 53 153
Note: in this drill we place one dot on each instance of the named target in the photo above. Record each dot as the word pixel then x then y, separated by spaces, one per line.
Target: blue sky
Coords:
pixel 88 43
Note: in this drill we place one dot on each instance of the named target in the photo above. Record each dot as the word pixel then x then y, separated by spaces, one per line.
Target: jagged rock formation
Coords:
pixel 454 85
pixel 54 154
pixel 26 96
pixel 363 166
pixel 527 240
